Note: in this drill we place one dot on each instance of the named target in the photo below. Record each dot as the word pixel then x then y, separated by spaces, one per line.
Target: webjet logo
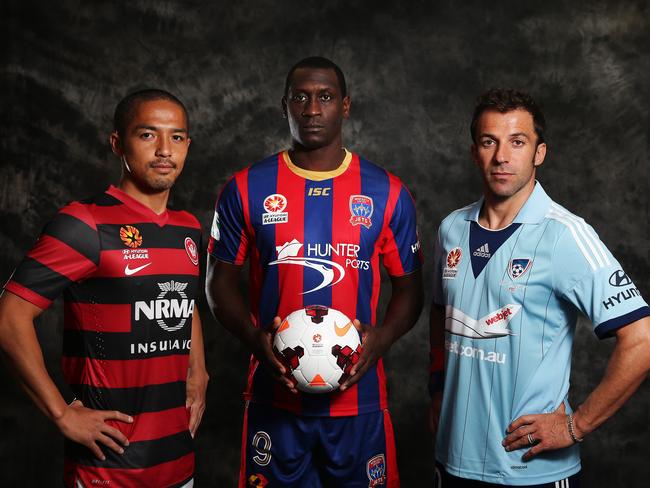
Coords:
pixel 494 324
pixel 331 272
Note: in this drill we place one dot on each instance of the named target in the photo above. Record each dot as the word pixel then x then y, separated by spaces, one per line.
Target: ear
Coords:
pixel 284 107
pixel 540 154
pixel 116 144
pixel 347 102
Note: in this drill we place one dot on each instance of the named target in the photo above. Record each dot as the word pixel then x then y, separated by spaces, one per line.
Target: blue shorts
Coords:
pixel 282 449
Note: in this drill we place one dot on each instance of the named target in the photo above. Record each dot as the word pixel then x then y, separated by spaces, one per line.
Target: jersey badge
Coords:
pixel 361 208
pixel 518 267
pixel 330 271
pixel 257 480
pixel 274 206
pixel 453 260
pixel 130 236
pixel 376 471
pixel 192 251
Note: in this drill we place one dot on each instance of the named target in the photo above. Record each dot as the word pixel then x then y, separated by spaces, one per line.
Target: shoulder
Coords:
pixel 183 218
pixel 460 215
pixel 575 237
pixel 371 169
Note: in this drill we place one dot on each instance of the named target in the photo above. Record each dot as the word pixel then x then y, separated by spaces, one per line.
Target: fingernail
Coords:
pixel 130 419
pixel 121 451
pixel 126 443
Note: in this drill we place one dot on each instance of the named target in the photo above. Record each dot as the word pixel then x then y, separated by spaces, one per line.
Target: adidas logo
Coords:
pixel 483 251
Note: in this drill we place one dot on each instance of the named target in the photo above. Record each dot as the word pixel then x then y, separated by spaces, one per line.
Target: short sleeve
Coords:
pixel 67 251
pixel 401 246
pixel 586 274
pixel 228 238
pixel 438 297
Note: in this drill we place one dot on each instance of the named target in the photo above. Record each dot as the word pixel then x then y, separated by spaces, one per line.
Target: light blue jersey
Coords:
pixel 512 299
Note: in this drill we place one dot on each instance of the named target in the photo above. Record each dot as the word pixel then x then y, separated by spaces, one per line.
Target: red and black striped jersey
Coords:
pixel 316 238
pixel 130 279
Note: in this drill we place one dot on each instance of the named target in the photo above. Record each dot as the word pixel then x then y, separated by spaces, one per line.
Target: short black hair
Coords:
pixel 317 62
pixel 127 106
pixel 505 100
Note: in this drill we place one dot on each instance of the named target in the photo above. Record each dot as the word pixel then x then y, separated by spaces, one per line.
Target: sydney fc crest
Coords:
pixel 518 267
pixel 361 210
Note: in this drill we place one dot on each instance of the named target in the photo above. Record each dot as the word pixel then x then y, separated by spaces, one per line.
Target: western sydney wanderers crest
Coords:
pixel 361 209
pixel 376 470
pixel 274 206
pixel 192 251
pixel 453 260
pixel 518 267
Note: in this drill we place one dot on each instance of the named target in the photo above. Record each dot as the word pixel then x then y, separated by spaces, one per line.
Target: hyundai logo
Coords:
pixel 619 278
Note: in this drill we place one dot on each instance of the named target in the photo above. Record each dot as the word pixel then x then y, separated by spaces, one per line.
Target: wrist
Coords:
pixel 570 422
pixel 580 425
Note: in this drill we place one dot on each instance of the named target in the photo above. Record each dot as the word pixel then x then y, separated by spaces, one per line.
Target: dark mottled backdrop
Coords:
pixel 414 69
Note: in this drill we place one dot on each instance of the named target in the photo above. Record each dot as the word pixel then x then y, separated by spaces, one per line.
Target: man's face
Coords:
pixel 506 152
pixel 154 145
pixel 315 107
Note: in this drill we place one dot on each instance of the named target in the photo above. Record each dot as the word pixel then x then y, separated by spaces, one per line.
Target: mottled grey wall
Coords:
pixel 414 69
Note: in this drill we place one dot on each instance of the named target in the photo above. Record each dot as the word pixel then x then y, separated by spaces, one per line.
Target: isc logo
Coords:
pixel 319 192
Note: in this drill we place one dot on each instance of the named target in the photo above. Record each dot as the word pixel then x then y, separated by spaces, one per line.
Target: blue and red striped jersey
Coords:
pixel 316 238
pixel 129 279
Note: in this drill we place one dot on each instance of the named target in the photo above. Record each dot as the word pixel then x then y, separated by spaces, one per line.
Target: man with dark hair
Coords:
pixel 512 272
pixel 322 205
pixel 132 347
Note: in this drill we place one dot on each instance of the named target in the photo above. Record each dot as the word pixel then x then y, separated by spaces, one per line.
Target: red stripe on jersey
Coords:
pixel 61 258
pixel 97 317
pixel 290 278
pixel 392 473
pixel 154 425
pixel 79 211
pixel 241 178
pixel 164 474
pixel 160 261
pixel 242 461
pixel 390 249
pixel 130 373
pixel 27 294
pixel 345 294
pixel 182 218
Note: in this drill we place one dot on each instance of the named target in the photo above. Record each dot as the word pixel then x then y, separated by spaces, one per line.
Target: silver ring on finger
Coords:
pixel 531 441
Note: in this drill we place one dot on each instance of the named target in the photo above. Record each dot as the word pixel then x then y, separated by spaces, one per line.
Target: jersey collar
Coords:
pixel 533 211
pixel 318 175
pixel 138 207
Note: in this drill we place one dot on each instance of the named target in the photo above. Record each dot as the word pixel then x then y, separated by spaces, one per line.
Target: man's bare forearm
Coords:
pixel 627 369
pixel 20 345
pixel 404 306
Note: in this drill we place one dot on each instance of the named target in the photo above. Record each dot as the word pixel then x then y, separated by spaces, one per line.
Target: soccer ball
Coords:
pixel 318 346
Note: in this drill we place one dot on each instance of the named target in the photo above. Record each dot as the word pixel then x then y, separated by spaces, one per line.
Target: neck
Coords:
pixel 325 158
pixel 156 201
pixel 499 212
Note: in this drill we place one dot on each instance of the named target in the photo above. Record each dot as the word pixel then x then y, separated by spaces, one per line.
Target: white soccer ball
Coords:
pixel 319 346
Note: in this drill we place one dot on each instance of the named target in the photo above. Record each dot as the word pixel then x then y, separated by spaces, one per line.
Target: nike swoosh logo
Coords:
pixel 341 331
pixel 128 271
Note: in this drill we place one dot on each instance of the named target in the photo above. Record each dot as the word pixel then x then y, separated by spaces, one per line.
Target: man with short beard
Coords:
pixel 132 347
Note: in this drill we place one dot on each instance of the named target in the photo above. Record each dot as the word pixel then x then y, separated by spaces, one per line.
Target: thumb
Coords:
pixel 561 408
pixel 277 321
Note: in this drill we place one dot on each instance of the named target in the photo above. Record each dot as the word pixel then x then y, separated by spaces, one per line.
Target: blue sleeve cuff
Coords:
pixel 607 328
